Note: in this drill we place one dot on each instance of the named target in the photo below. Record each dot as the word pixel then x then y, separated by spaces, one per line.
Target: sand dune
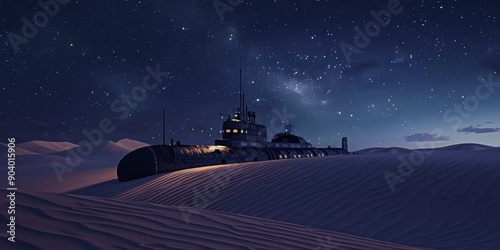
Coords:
pixel 45 147
pixel 464 147
pixel 391 150
pixel 36 171
pixel 130 144
pixel 397 150
pixel 59 221
pixel 106 147
pixel 109 148
pixel 450 201
pixel 67 170
pixel 61 148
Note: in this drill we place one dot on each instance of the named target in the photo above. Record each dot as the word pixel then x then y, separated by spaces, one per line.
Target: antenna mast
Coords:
pixel 242 97
pixel 163 126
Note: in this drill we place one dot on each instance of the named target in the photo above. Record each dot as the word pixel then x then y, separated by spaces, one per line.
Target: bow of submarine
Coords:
pixel 139 163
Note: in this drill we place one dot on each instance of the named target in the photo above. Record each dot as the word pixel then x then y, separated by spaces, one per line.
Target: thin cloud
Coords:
pixel 419 137
pixel 478 130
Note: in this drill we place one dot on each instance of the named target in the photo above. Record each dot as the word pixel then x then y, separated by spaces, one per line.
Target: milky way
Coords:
pixel 383 73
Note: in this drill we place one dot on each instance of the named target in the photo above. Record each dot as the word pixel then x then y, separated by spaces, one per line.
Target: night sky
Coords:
pixel 416 80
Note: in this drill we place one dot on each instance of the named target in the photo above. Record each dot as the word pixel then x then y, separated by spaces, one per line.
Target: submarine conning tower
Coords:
pixel 239 132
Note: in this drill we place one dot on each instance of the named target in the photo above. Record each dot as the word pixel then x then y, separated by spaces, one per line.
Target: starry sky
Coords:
pixel 428 74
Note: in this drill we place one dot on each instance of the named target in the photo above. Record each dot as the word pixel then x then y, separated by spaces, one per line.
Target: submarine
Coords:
pixel 243 140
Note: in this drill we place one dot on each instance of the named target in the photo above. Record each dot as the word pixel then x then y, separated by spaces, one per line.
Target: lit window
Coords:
pixel 235 130
pixel 228 130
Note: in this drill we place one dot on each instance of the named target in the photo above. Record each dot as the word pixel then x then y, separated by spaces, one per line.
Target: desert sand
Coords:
pixel 445 198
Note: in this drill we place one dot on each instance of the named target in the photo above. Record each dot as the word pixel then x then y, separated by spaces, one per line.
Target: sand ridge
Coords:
pixel 61 221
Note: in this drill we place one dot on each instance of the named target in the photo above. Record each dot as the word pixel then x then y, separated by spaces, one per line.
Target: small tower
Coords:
pixel 344 144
